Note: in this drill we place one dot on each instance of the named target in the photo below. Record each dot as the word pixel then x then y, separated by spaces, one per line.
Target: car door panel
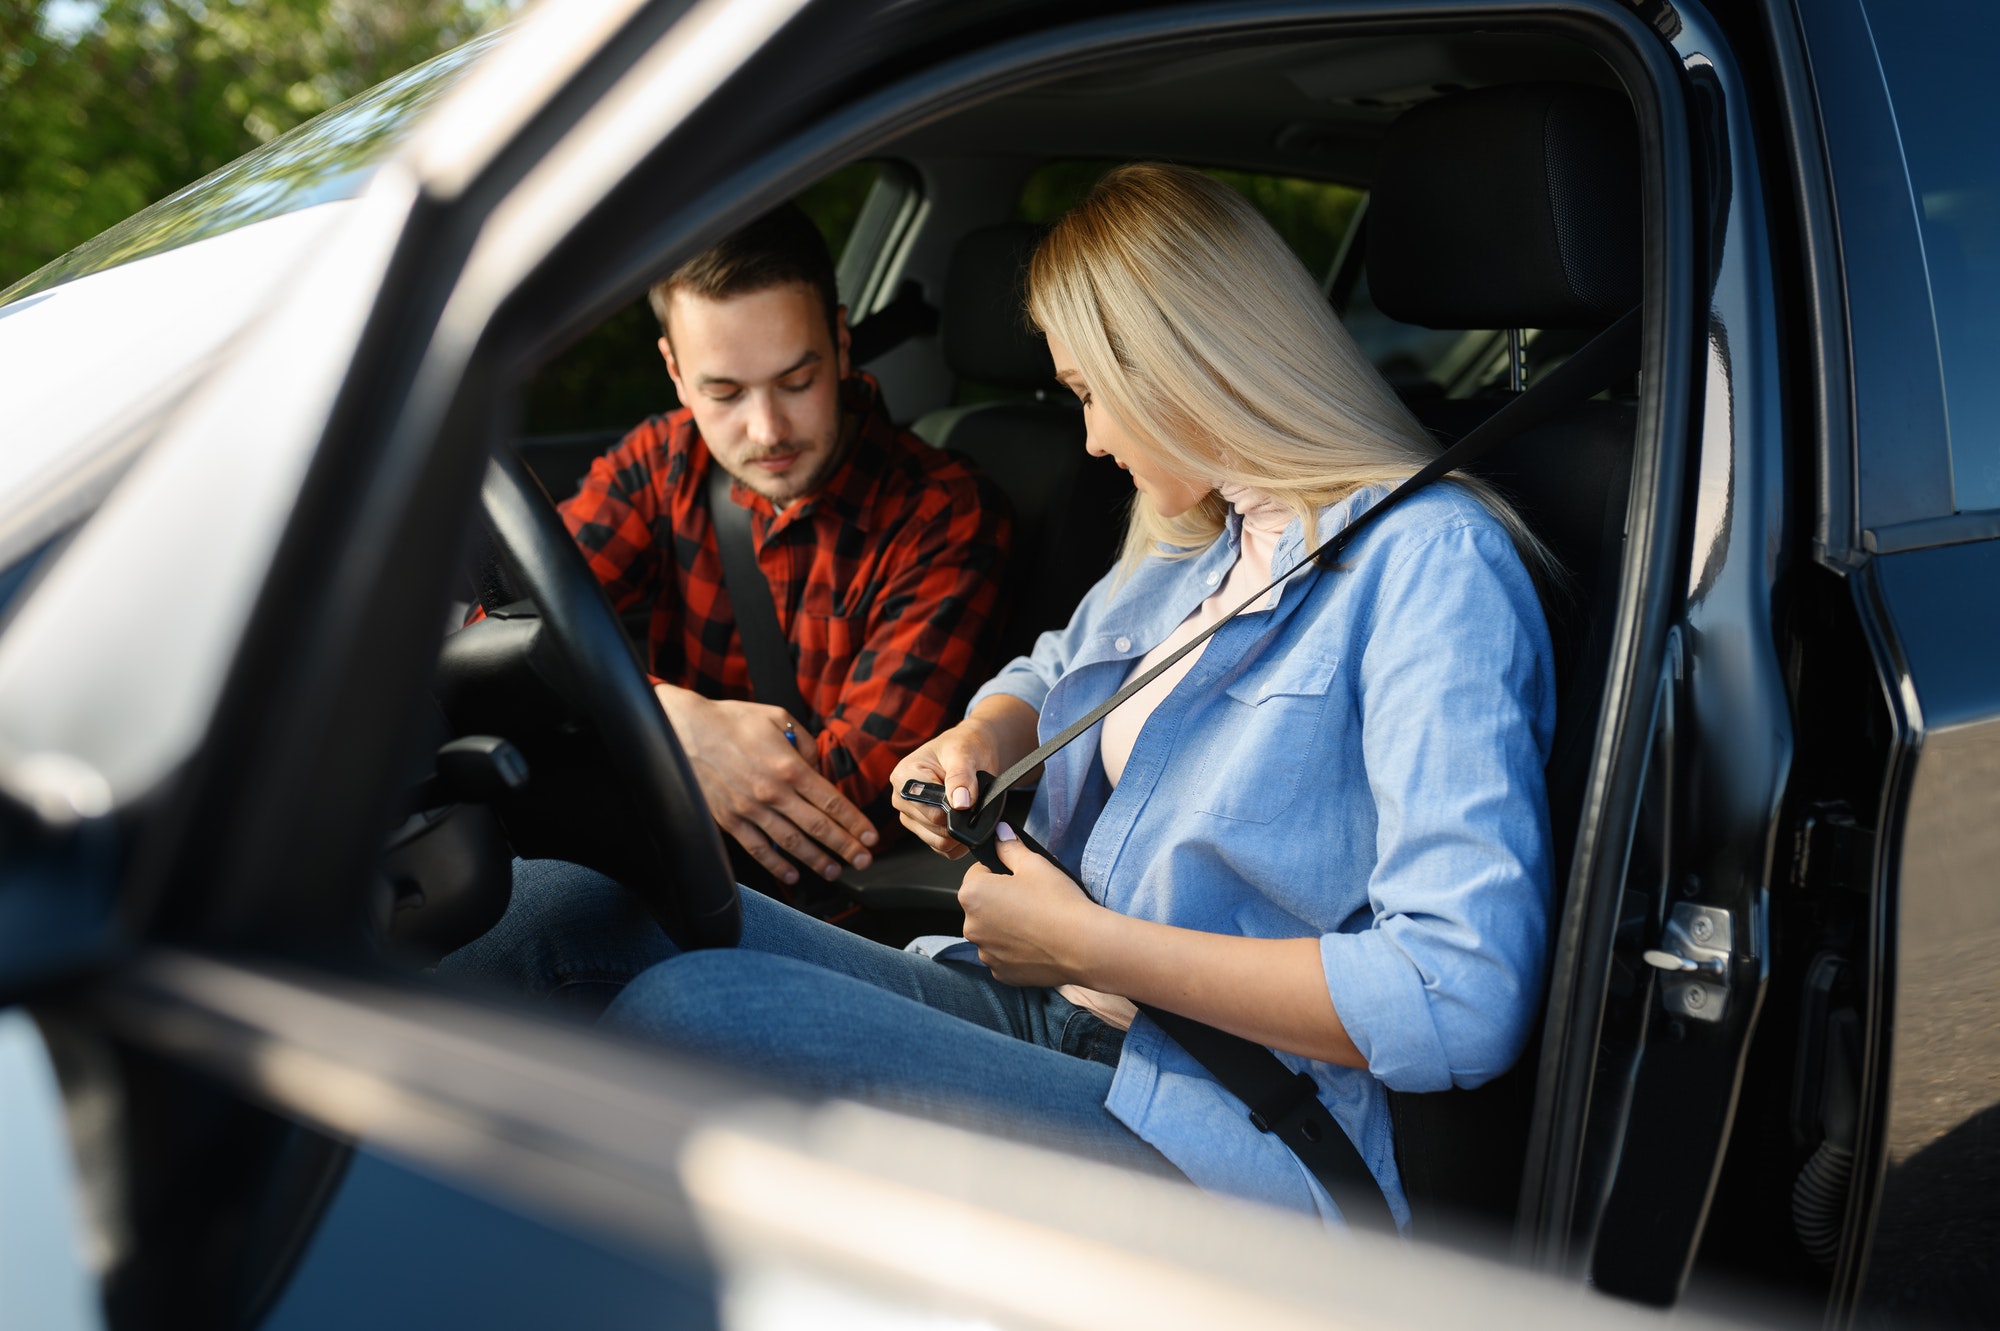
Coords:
pixel 1924 1224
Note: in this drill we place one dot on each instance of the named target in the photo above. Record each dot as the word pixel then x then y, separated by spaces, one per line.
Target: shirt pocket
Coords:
pixel 1264 727
pixel 830 631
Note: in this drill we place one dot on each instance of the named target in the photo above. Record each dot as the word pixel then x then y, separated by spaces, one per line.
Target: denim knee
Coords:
pixel 567 928
pixel 706 1000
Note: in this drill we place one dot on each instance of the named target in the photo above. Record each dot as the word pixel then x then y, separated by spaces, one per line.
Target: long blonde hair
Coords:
pixel 1198 328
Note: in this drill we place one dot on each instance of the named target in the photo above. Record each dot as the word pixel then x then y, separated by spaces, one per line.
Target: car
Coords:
pixel 259 434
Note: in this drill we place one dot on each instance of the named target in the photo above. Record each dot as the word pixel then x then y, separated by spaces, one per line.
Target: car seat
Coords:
pixel 1068 506
pixel 1518 207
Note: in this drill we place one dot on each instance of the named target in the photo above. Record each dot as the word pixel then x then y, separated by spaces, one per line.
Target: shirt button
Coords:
pixel 1123 644
pixel 1214 578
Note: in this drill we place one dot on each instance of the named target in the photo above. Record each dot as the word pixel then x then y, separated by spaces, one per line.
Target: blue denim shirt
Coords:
pixel 1361 762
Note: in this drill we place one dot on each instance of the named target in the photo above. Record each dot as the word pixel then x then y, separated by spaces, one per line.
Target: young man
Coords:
pixel 883 554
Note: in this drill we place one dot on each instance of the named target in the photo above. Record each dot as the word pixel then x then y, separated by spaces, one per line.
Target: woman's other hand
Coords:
pixel 1028 922
pixel 999 731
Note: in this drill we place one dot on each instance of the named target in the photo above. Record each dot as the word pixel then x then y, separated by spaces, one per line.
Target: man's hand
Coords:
pixel 762 790
pixel 1027 926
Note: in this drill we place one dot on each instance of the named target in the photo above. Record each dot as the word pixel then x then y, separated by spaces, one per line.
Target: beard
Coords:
pixel 805 476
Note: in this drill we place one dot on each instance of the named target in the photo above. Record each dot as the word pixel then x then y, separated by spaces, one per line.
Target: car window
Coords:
pixel 1314 216
pixel 1936 58
pixel 1319 220
pixel 331 156
pixel 612 378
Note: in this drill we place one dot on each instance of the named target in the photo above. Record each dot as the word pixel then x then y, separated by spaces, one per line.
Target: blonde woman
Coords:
pixel 1324 831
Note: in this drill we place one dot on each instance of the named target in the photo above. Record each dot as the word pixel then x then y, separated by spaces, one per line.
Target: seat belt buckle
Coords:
pixel 971 827
pixel 1266 1117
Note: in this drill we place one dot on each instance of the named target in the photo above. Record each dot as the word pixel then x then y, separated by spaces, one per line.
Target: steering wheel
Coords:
pixel 697 903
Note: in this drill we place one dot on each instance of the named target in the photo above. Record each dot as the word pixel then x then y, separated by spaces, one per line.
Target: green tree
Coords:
pixel 106 107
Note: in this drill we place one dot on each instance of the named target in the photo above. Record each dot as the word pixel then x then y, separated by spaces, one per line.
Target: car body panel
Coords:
pixel 1929 1164
pixel 151 325
pixel 216 489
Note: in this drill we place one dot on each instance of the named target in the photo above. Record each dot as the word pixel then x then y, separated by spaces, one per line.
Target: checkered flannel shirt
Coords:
pixel 886 581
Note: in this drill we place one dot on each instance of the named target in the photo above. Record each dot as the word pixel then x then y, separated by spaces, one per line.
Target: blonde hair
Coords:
pixel 1198 328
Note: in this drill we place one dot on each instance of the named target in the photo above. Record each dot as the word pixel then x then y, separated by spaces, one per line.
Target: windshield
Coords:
pixel 329 157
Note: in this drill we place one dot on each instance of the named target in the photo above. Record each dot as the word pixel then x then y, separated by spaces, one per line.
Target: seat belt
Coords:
pixel 1281 1101
pixel 774 677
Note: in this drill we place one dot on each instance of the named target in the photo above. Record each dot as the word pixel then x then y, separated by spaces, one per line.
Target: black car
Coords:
pixel 258 437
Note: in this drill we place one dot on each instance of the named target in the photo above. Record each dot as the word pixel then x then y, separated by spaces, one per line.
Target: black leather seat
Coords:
pixel 1518 207
pixel 1069 507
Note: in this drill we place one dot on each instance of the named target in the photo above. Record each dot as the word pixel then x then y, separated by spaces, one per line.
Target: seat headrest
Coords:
pixel 987 336
pixel 1508 207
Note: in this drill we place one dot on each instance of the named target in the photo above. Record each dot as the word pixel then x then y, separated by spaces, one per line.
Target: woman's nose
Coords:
pixel 1092 447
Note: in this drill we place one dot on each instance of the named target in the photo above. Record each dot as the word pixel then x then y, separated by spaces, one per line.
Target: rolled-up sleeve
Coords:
pixel 1440 986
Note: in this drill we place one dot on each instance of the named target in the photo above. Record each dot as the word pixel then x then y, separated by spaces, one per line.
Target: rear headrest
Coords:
pixel 1508 207
pixel 987 336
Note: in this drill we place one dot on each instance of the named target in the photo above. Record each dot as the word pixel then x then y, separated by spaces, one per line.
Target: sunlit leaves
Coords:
pixel 107 107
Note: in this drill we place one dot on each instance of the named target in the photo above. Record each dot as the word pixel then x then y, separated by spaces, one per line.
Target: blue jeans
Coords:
pixel 816 1008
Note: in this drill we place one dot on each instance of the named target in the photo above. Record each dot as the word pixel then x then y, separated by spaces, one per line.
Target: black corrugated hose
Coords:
pixel 1819 1200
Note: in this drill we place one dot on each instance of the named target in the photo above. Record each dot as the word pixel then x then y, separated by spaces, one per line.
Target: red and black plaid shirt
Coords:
pixel 886 580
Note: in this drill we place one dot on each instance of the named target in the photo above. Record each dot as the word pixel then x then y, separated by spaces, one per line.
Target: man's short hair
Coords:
pixel 781 247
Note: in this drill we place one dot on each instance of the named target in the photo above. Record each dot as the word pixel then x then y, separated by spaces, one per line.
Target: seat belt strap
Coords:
pixel 773 676
pixel 1285 1104
pixel 1603 360
pixel 1281 1101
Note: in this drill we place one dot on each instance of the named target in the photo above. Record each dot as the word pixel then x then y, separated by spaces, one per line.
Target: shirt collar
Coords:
pixel 1143 619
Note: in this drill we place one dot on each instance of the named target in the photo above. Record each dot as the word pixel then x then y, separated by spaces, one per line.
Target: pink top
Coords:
pixel 1264 521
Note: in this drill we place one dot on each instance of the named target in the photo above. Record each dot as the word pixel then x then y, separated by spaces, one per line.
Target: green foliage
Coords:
pixel 102 117
pixel 1313 216
pixel 834 204
pixel 612 377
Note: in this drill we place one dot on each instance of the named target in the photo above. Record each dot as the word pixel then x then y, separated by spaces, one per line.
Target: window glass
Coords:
pixel 1937 59
pixel 332 156
pixel 834 204
pixel 612 378
pixel 1314 217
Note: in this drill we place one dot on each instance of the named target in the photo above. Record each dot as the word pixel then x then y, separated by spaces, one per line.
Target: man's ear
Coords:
pixel 842 340
pixel 673 366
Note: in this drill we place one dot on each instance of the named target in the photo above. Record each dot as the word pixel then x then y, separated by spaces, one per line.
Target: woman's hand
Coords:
pixel 1027 926
pixel 999 731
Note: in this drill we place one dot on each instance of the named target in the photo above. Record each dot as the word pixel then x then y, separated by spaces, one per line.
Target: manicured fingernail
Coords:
pixel 1005 833
pixel 869 838
pixel 863 860
pixel 961 798
pixel 791 876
